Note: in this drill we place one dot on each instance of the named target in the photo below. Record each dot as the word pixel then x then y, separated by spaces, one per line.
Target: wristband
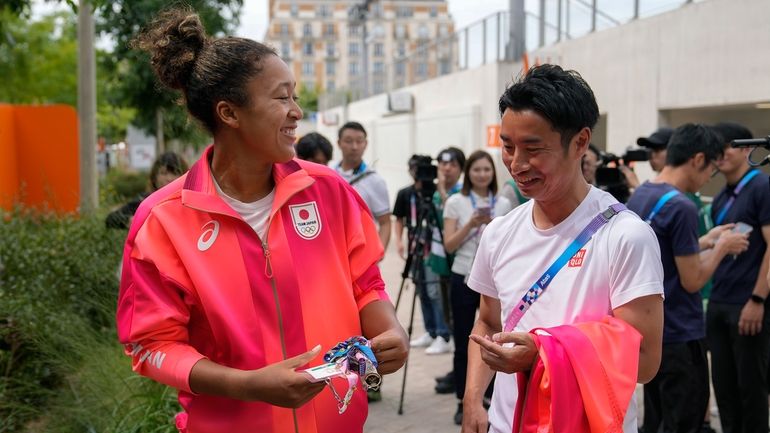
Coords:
pixel 757 299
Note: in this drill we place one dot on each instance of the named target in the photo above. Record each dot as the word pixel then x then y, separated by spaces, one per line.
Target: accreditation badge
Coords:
pixel 305 220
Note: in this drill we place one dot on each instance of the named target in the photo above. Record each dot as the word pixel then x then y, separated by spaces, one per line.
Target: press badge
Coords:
pixel 324 371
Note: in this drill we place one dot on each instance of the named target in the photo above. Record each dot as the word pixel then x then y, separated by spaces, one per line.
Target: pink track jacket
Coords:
pixel 198 283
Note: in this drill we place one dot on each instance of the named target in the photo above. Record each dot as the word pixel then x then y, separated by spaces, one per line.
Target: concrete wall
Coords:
pixel 709 54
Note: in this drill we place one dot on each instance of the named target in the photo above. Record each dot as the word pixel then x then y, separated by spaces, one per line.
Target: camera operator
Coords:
pixel 612 173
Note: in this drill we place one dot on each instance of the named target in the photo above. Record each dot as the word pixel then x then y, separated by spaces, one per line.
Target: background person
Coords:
pixel 676 399
pixel 314 147
pixel 220 265
pixel 547 118
pixel 167 167
pixel 369 184
pixel 737 317
pixel 465 216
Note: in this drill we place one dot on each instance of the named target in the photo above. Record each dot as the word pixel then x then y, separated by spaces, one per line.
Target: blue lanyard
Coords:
pixel 661 201
pixel 491 198
pixel 542 283
pixel 723 213
pixel 360 169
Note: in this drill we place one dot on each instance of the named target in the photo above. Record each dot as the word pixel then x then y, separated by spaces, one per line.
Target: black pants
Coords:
pixel 677 397
pixel 739 366
pixel 464 302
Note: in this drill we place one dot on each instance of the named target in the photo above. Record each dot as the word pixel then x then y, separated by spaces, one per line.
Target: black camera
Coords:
pixel 762 157
pixel 425 174
pixel 608 173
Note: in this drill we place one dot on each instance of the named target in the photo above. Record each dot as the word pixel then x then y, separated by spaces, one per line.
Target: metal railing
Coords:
pixel 489 40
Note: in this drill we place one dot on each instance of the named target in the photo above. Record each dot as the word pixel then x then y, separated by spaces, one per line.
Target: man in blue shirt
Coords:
pixel 678 395
pixel 737 318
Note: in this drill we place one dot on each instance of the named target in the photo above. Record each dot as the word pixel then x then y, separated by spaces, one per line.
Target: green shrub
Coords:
pixel 61 367
pixel 119 186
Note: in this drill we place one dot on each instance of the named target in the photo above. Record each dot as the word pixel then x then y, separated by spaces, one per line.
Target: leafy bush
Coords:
pixel 61 367
pixel 119 186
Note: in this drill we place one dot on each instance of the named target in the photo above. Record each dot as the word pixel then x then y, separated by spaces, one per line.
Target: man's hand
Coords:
pixel 520 357
pixel 391 351
pixel 750 321
pixel 475 418
pixel 632 180
pixel 732 242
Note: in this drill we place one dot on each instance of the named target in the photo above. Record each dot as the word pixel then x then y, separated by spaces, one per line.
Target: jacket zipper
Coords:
pixel 269 274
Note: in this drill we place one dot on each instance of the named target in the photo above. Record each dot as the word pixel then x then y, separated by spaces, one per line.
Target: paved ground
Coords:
pixel 424 411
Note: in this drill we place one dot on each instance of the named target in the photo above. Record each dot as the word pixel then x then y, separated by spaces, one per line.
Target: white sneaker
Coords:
pixel 424 341
pixel 439 346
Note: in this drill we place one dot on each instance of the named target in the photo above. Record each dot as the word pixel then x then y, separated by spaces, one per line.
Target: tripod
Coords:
pixel 419 245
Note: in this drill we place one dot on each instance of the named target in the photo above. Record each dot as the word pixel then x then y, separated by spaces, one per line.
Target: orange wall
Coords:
pixel 43 163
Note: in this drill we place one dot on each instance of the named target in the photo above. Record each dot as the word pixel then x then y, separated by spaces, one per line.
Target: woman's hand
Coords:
pixel 390 349
pixel 281 385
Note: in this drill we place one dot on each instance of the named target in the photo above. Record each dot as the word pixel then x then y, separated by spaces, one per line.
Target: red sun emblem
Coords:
pixel 304 214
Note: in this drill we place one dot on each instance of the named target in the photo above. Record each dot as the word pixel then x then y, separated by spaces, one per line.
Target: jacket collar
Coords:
pixel 199 191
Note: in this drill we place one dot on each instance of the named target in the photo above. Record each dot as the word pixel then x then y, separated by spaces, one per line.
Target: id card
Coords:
pixel 324 371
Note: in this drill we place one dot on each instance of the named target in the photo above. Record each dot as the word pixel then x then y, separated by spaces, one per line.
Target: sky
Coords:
pixel 464 12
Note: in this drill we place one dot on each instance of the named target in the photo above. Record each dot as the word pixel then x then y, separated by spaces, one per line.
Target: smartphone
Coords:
pixel 485 211
pixel 741 227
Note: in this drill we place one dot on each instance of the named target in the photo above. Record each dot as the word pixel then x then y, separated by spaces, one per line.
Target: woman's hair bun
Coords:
pixel 173 41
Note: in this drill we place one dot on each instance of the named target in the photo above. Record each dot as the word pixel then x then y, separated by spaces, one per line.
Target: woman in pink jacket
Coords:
pixel 239 273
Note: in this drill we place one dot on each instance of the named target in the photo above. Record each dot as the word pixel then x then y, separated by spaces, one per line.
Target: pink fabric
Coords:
pixel 582 381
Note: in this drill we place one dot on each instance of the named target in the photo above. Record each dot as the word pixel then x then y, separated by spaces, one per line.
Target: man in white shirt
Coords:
pixel 547 119
pixel 368 183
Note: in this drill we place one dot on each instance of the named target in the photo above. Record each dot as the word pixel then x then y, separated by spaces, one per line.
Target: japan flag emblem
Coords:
pixel 306 221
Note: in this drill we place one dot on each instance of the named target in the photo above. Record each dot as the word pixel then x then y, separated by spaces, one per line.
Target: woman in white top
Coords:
pixel 465 216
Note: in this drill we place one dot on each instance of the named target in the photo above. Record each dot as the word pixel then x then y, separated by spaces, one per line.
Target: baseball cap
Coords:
pixel 658 140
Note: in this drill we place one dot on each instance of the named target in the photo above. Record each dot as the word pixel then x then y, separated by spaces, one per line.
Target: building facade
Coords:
pixel 330 49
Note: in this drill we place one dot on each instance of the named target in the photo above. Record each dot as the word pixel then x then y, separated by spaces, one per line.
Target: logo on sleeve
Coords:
pixel 305 219
pixel 209 235
pixel 577 260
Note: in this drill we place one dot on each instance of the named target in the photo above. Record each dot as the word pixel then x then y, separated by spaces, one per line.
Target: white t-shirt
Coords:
pixel 620 263
pixel 371 187
pixel 460 207
pixel 255 213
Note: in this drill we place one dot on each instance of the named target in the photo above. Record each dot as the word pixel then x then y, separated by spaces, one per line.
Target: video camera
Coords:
pixel 425 174
pixel 764 157
pixel 608 174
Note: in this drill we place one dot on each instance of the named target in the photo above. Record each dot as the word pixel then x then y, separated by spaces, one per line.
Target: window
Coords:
pixel 376 10
pixel 353 68
pixel 330 86
pixel 354 30
pixel 400 68
pixel 307 30
pixel 353 48
pixel 403 12
pixel 324 11
pixel 331 67
pixel 308 68
pixel 444 67
pixel 401 49
pixel 307 48
pixel 309 85
pixel 331 49
pixel 285 49
pixel 423 32
pixel 379 49
pixel 443 30
pixel 422 69
pixel 379 67
pixel 329 29
pixel 284 29
pixel 400 31
pixel 294 10
pixel 433 11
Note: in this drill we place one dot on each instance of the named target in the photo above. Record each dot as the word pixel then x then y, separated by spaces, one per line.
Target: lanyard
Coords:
pixel 356 360
pixel 750 175
pixel 661 201
pixel 542 283
pixel 491 197
pixel 412 210
pixel 360 169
